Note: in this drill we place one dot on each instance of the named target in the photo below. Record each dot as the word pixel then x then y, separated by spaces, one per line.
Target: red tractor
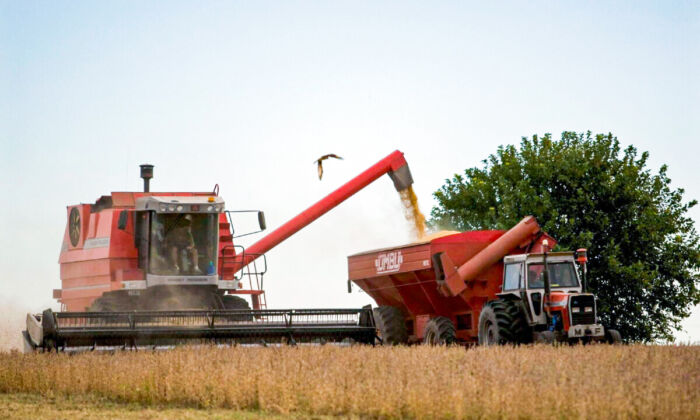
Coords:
pixel 486 287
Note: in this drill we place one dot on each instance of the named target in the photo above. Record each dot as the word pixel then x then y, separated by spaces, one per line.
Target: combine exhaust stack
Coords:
pixel 89 330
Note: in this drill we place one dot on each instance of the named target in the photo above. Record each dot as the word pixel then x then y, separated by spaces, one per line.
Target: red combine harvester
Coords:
pixel 490 287
pixel 152 268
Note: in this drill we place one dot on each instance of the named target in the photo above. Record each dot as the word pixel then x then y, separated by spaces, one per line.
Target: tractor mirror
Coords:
pixel 261 220
pixel 123 219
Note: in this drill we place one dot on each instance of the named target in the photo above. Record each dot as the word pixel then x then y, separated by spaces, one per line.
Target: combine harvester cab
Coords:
pixel 486 287
pixel 153 268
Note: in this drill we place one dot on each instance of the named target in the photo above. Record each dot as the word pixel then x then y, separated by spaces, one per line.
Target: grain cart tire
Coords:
pixel 613 336
pixel 501 322
pixel 390 325
pixel 440 331
pixel 232 302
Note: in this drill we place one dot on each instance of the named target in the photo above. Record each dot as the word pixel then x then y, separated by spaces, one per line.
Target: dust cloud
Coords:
pixel 412 212
pixel 12 322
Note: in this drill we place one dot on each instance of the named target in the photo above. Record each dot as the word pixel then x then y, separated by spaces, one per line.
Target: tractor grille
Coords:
pixel 581 317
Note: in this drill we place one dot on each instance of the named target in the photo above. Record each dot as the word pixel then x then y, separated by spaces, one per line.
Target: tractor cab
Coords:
pixel 551 294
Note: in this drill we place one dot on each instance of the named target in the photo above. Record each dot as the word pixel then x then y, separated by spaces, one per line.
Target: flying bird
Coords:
pixel 321 159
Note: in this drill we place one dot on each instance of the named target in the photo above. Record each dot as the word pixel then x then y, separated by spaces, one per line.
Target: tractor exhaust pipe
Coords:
pixel 146 174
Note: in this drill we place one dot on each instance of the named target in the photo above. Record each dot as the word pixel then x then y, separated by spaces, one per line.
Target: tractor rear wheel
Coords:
pixel 613 336
pixel 440 331
pixel 501 322
pixel 391 325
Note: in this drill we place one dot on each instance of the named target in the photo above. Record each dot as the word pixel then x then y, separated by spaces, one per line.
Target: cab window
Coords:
pixel 512 276
pixel 561 274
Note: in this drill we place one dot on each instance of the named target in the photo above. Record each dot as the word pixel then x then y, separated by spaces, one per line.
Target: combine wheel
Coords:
pixel 232 302
pixel 112 302
pixel 613 336
pixel 440 331
pixel 235 302
pixel 501 322
pixel 390 325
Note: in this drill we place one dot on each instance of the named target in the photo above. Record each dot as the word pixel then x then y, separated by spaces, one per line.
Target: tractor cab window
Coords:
pixel 512 276
pixel 183 244
pixel 561 274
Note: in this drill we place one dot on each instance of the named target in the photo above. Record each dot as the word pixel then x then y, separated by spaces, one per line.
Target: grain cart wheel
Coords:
pixel 613 336
pixel 390 325
pixel 232 302
pixel 501 322
pixel 440 331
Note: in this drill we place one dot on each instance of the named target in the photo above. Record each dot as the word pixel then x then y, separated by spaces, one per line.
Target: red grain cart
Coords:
pixel 491 287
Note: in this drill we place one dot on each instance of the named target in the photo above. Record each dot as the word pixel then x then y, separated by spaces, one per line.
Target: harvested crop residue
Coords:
pixel 412 212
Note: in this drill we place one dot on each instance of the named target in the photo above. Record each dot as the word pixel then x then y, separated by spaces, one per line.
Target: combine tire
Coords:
pixel 390 325
pixel 235 302
pixel 232 302
pixel 439 331
pixel 113 302
pixel 613 336
pixel 501 322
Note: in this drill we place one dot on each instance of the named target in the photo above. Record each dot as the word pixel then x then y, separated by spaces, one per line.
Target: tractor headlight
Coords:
pixel 588 309
pixel 575 309
pixel 180 208
pixel 171 208
pixel 163 207
pixel 210 208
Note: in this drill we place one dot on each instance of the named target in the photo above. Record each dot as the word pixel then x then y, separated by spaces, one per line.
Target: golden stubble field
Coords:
pixel 596 381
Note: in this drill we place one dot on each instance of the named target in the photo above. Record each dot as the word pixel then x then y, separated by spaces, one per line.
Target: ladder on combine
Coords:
pixel 231 259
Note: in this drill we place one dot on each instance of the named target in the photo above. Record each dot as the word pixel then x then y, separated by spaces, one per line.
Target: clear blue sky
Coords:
pixel 248 94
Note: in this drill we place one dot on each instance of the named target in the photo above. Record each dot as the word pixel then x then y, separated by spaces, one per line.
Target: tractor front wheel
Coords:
pixel 440 331
pixel 613 336
pixel 391 325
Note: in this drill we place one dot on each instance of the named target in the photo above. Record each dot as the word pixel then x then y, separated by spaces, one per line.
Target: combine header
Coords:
pixel 152 268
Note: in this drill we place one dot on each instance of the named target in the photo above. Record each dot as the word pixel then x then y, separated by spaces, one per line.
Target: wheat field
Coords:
pixel 596 381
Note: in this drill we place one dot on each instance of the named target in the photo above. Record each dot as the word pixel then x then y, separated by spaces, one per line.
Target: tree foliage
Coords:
pixel 587 192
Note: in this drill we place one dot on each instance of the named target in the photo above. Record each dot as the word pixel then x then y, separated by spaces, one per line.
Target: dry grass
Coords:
pixel 596 381
pixel 29 406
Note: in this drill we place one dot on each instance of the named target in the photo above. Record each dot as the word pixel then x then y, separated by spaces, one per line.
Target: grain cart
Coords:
pixel 151 268
pixel 487 287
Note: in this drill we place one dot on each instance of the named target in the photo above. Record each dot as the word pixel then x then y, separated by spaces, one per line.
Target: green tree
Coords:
pixel 587 192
